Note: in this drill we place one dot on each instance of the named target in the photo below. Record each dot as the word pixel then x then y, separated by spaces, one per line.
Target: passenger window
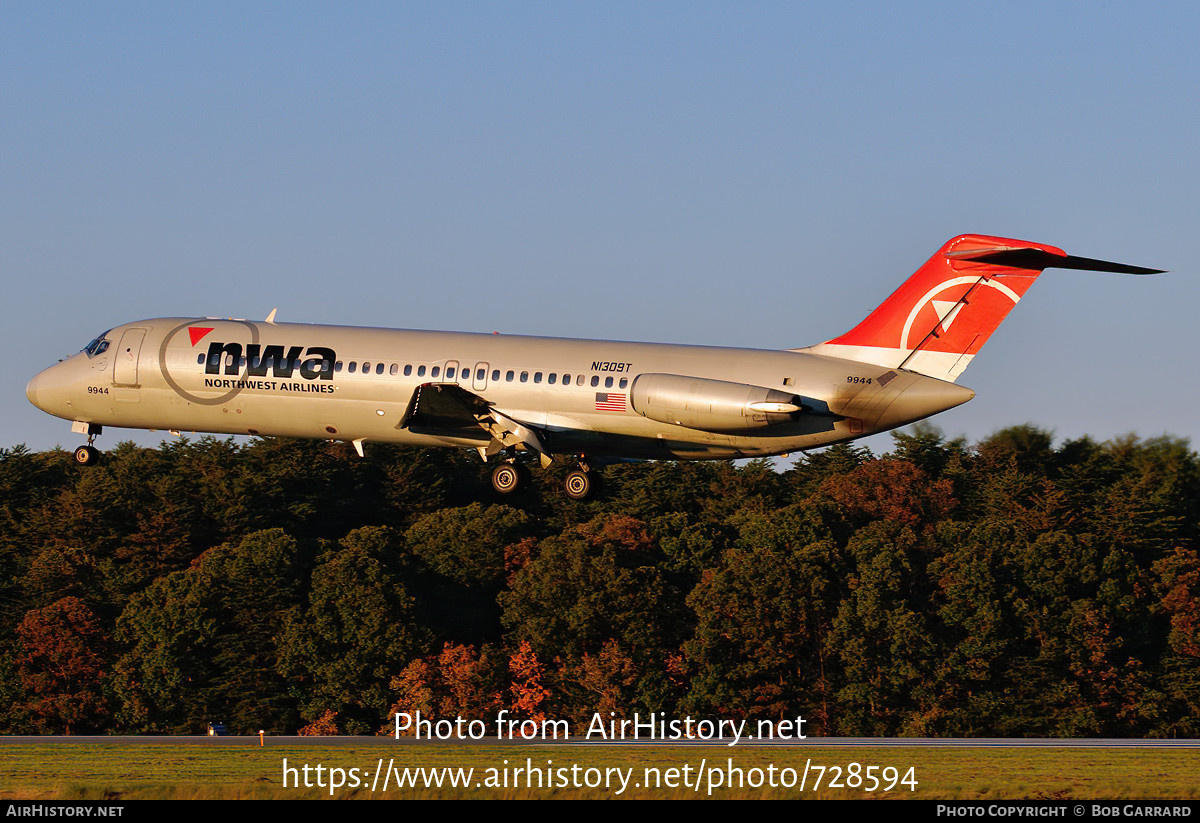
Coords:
pixel 579 380
pixel 337 367
pixel 566 379
pixel 407 369
pixel 435 371
pixel 199 360
pixel 449 373
pixel 551 378
pixel 420 371
pixel 537 377
pixel 353 366
pixel 495 375
pixel 394 370
pixel 595 381
pixel 524 377
pixel 379 368
pixel 624 382
pixel 508 375
pixel 608 381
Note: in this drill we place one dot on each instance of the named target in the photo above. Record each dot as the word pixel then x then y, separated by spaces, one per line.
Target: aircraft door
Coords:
pixel 480 377
pixel 125 358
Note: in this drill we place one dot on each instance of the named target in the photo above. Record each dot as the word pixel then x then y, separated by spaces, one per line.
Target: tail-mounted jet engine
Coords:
pixel 711 405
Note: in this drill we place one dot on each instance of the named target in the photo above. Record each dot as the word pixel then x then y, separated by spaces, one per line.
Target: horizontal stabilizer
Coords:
pixel 1036 259
pixel 942 315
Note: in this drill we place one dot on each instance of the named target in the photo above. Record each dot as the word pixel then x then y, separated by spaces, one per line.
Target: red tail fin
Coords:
pixel 942 315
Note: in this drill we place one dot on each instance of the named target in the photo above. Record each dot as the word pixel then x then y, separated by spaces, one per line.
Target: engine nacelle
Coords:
pixel 711 405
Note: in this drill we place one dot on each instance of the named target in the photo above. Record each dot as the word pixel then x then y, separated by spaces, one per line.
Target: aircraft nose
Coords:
pixel 49 390
pixel 31 390
pixel 56 390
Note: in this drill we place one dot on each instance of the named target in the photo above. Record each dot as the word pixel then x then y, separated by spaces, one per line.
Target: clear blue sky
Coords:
pixel 749 174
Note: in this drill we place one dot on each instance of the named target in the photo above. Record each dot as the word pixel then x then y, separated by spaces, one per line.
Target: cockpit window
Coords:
pixel 97 346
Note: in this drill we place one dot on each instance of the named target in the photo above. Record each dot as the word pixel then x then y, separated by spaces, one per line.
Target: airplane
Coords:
pixel 593 401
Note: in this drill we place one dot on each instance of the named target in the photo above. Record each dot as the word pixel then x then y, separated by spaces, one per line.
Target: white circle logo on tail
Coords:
pixel 948 310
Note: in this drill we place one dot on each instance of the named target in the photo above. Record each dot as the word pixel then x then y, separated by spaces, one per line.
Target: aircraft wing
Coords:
pixel 449 410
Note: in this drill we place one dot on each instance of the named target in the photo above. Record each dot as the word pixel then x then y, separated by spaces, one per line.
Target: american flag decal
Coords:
pixel 610 401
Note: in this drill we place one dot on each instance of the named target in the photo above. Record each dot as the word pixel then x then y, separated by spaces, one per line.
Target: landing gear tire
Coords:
pixel 87 456
pixel 508 478
pixel 579 485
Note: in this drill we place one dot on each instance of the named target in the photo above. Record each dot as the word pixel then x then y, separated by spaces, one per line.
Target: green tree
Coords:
pixel 338 652
pixel 595 583
pixel 203 643
pixel 763 616
pixel 882 636
pixel 462 555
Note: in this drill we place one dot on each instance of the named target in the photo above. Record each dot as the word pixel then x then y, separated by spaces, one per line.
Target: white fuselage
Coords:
pixel 578 396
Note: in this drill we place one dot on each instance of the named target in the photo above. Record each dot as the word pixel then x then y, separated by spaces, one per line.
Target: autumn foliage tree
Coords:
pixel 528 692
pixel 1013 586
pixel 61 666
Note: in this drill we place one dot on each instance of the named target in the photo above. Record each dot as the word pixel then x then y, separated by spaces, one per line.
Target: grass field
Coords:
pixel 144 771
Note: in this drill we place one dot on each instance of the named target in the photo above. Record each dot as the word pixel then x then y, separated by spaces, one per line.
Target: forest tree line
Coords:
pixel 1003 588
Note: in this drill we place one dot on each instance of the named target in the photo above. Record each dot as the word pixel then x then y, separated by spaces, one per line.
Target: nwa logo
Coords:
pixel 314 363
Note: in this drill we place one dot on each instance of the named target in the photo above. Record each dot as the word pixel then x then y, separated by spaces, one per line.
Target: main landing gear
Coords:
pixel 510 476
pixel 580 483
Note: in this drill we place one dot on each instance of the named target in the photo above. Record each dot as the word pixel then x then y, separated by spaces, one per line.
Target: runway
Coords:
pixel 811 742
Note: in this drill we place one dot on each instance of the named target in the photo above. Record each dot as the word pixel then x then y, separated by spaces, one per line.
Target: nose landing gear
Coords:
pixel 87 455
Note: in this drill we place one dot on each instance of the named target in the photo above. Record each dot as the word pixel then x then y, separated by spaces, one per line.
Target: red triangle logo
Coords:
pixel 197 333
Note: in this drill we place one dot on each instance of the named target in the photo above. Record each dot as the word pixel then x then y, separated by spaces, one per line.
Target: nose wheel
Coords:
pixel 87 455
